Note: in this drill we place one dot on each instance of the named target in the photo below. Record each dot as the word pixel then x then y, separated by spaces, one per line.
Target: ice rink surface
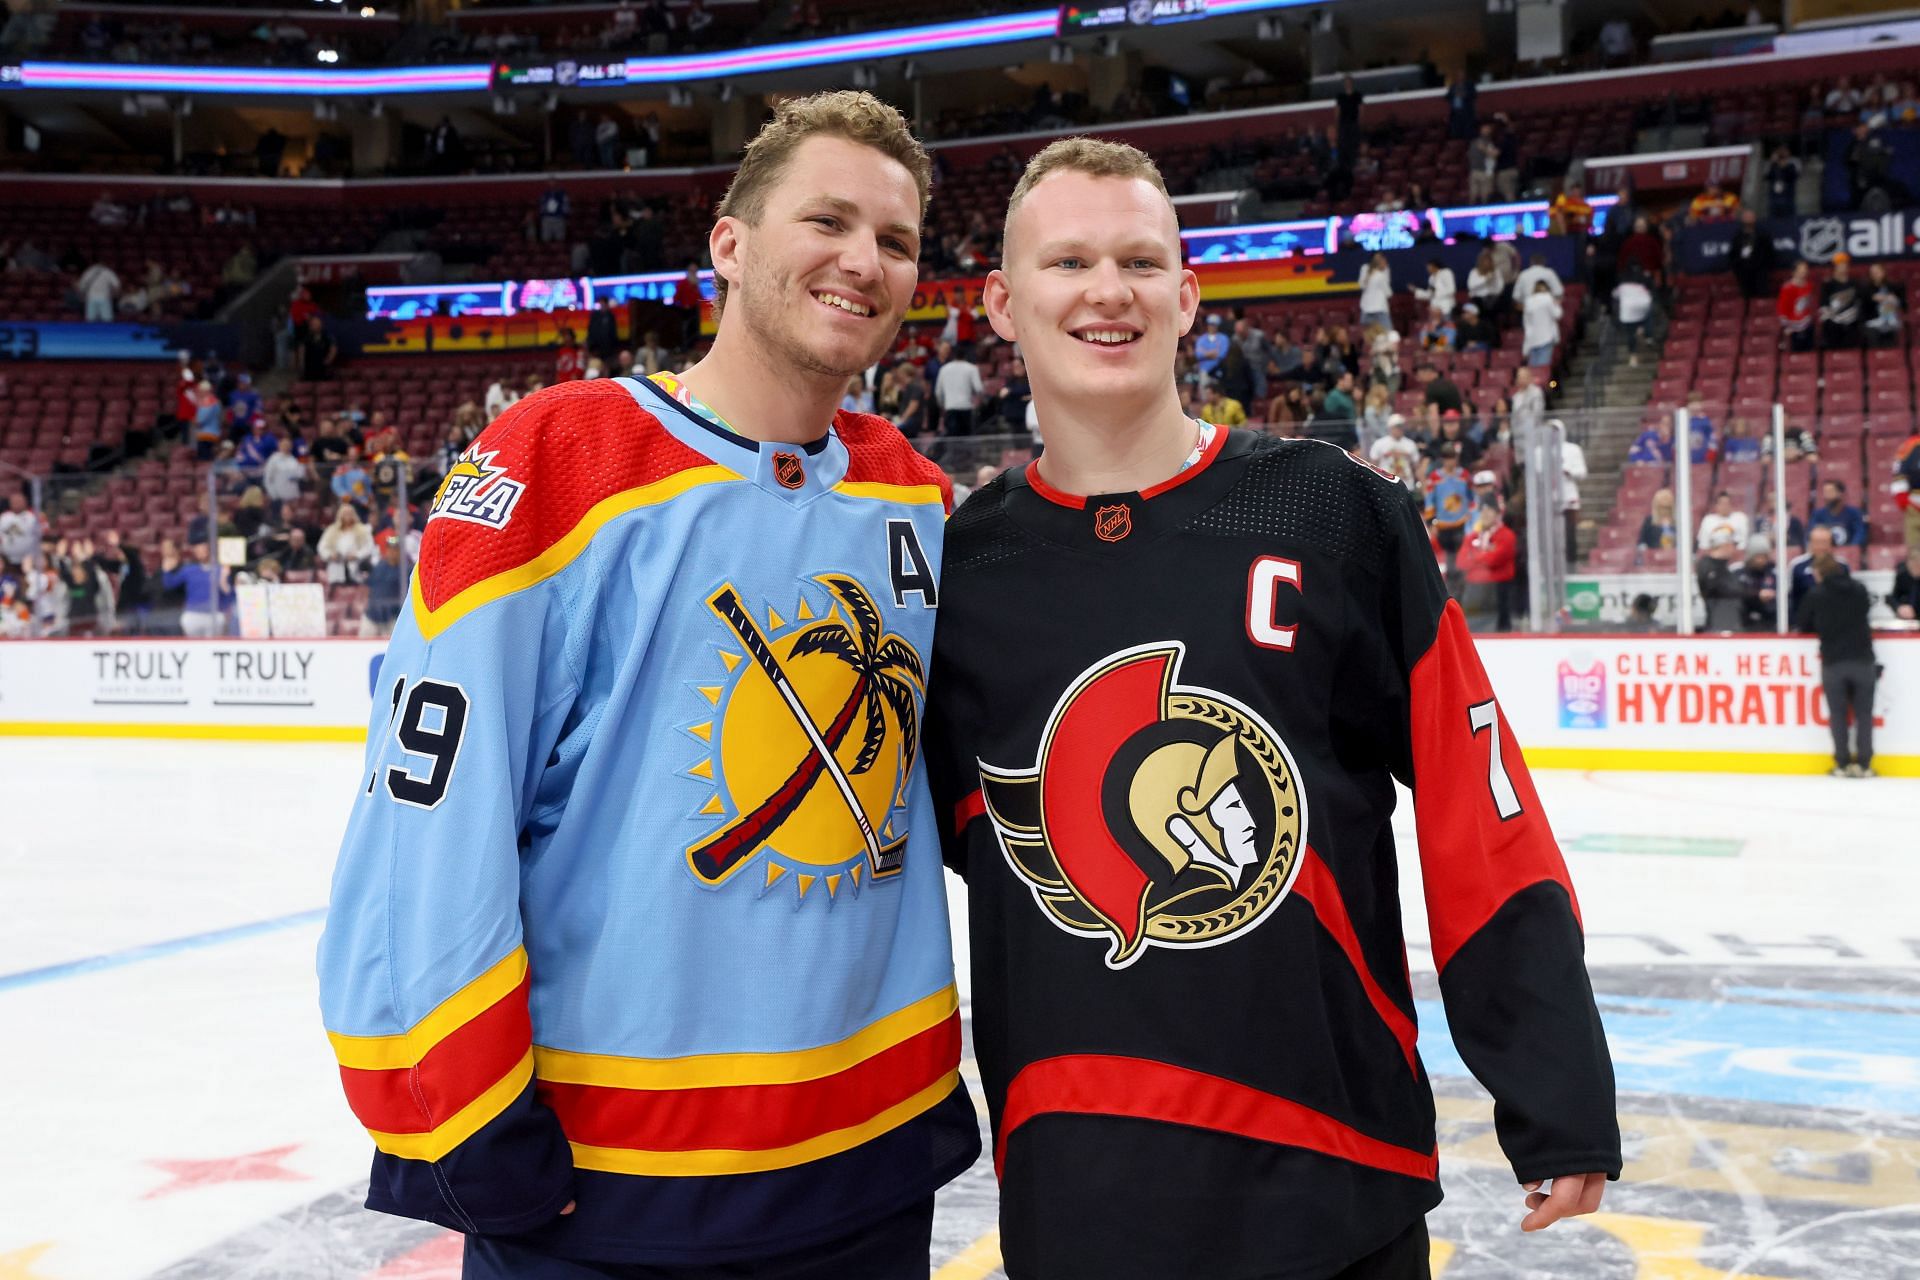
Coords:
pixel 175 1111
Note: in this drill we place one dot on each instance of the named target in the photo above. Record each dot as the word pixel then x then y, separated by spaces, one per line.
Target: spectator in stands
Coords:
pixel 1441 292
pixel 282 476
pixel 349 483
pixel 1870 168
pixel 1835 609
pixel 1235 376
pixel 1800 579
pixel 1210 347
pixel 1376 411
pixel 1721 589
pixel 1752 256
pixel 1287 412
pixel 1383 347
pixel 554 207
pixel 445 153
pixel 1397 452
pixel 318 352
pixel 1438 394
pixel 1439 333
pixel 1795 308
pixel 242 269
pixel 1759 587
pixel 1340 402
pixel 1536 273
pixel 1529 406
pixel 1654 444
pixel 1887 306
pixel 1842 306
pixel 1463 107
pixel 1449 504
pixel 1715 204
pixel 386 589
pixel 21 529
pixel 1540 325
pixel 858 398
pixel 1254 348
pixel 500 397
pixel 208 588
pixel 1220 409
pixel 1487 558
pixel 1451 434
pixel 99 288
pixel 1848 525
pixel 569 362
pixel 1485 287
pixel 1570 214
pixel 1632 303
pixel 686 305
pixel 1703 444
pixel 1783 183
pixel 913 416
pixel 1843 99
pixel 1659 530
pixel 1573 470
pixel 1483 162
pixel 1740 444
pixel 257 446
pixel 1474 332
pixel 346 546
pixel 1376 292
pixel 1904 599
pixel 957 389
pixel 1724 519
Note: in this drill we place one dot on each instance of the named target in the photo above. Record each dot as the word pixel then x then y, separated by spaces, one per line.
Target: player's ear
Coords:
pixel 724 245
pixel 1189 299
pixel 997 298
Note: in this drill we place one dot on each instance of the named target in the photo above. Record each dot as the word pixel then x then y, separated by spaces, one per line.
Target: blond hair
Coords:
pixel 1095 157
pixel 852 115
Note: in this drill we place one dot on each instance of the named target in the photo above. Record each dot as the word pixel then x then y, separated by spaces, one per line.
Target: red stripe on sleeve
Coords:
pixel 454 1072
pixel 1472 858
pixel 1316 884
pixel 754 1117
pixel 974 806
pixel 1101 1084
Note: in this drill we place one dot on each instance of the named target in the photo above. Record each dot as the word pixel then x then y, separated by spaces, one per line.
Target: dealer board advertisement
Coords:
pixel 305 690
pixel 1749 703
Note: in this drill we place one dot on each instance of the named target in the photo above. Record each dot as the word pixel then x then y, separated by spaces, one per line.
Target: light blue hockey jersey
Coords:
pixel 640 904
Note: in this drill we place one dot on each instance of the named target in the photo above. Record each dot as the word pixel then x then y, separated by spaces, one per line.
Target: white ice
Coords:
pixel 215 1051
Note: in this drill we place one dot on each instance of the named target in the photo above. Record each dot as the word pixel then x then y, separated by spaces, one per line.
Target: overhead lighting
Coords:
pixel 368 11
pixel 328 55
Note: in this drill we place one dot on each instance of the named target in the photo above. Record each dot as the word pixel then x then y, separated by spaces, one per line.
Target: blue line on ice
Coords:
pixel 155 950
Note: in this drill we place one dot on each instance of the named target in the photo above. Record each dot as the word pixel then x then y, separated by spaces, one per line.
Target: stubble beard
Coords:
pixel 761 294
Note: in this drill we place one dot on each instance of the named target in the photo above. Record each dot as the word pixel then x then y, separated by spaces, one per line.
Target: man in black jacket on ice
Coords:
pixel 1836 611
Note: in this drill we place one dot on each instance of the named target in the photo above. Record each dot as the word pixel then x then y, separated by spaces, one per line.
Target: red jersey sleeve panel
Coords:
pixel 878 454
pixel 1483 834
pixel 528 495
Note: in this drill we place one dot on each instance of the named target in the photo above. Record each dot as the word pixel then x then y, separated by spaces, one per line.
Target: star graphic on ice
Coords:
pixel 18 1265
pixel 257 1166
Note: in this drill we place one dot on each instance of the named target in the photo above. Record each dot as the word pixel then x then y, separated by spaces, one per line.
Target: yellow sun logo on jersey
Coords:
pixel 812 740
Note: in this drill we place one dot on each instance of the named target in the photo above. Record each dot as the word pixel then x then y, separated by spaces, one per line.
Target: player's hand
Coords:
pixel 1572 1194
pixel 569 1209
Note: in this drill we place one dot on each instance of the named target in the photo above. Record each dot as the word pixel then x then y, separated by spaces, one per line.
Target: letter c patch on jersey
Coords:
pixel 1156 815
pixel 1264 582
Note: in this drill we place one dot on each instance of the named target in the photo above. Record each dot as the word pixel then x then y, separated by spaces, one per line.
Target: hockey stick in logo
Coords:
pixel 883 858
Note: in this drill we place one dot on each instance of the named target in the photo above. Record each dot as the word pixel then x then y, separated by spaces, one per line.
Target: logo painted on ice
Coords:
pixel 478 492
pixel 1583 696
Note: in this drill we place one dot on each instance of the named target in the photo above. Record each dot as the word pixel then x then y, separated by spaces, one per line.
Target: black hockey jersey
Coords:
pixel 1166 726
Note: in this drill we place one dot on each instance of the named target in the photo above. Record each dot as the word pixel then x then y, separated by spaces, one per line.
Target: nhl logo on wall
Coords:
pixel 1110 524
pixel 1156 814
pixel 789 470
pixel 1821 238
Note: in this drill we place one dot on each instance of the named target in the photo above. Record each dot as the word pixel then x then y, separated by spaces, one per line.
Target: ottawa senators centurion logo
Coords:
pixel 1156 814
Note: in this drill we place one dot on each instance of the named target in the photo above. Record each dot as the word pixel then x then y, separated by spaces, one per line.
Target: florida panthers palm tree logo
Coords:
pixel 812 745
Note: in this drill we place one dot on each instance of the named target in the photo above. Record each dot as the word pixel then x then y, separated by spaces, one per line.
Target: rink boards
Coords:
pixel 1711 703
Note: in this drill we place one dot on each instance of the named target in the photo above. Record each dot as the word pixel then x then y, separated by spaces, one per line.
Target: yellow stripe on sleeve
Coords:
pixel 383 1053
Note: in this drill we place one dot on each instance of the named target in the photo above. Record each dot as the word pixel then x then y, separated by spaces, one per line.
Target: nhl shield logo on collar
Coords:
pixel 789 470
pixel 1110 524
